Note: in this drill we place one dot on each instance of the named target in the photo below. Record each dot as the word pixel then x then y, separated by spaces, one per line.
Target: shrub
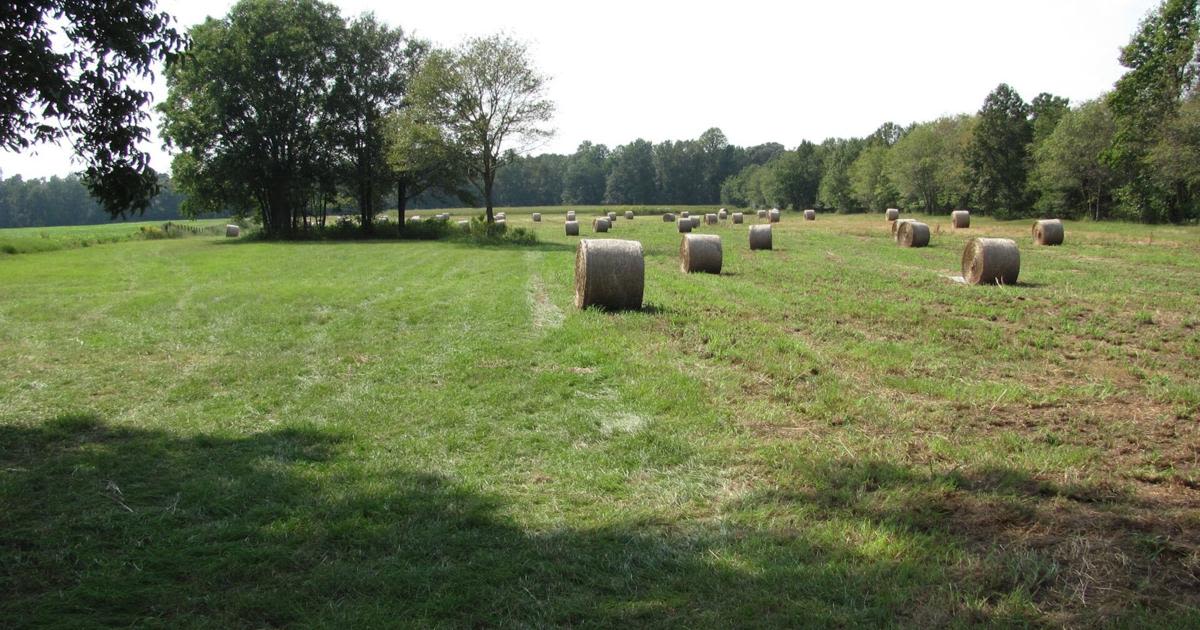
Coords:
pixel 498 233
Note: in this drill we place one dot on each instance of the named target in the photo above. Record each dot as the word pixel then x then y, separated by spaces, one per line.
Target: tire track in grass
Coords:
pixel 544 313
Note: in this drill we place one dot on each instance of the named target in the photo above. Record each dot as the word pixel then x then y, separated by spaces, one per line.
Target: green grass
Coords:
pixel 214 433
pixel 46 239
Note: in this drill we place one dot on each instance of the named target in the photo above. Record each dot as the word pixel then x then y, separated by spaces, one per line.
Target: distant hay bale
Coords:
pixel 629 215
pixel 537 217
pixel 414 218
pixel 710 219
pixel 570 215
pixel 668 217
pixel 612 217
pixel 810 215
pixel 700 253
pixel 760 237
pixel 232 231
pixel 991 261
pixel 960 219
pixel 601 224
pixel 774 216
pixel 896 227
pixel 609 273
pixel 464 226
pixel 695 221
pixel 738 217
pixel 912 234
pixel 684 214
pixel 502 223
pixel 722 214
pixel 685 226
pixel 762 214
pixel 892 214
pixel 572 228
pixel 1048 232
pixel 445 216
pixel 500 216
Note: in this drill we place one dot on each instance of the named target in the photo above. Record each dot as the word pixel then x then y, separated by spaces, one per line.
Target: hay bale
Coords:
pixel 762 214
pixel 810 215
pixel 464 226
pixel 774 216
pixel 668 218
pixel 912 234
pixel 500 216
pixel 722 214
pixel 710 219
pixel 738 217
pixel 232 231
pixel 537 217
pixel 760 237
pixel 892 214
pixel 700 253
pixel 685 226
pixel 503 223
pixel 1048 232
pixel 629 215
pixel 695 221
pixel 601 224
pixel 570 215
pixel 991 261
pixel 896 227
pixel 684 214
pixel 609 273
pixel 612 217
pixel 572 228
pixel 960 219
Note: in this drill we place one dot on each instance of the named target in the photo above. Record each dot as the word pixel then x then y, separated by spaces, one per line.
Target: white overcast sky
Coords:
pixel 761 71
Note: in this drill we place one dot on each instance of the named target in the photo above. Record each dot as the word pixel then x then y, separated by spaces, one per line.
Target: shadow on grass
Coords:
pixel 454 242
pixel 108 526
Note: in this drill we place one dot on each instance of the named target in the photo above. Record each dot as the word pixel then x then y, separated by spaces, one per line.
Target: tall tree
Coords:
pixel 835 191
pixel 586 175
pixel 999 154
pixel 65 67
pixel 1071 174
pixel 421 160
pixel 869 182
pixel 489 101
pixel 632 177
pixel 1046 110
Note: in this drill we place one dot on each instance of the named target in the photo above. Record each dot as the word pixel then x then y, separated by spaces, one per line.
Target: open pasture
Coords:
pixel 224 433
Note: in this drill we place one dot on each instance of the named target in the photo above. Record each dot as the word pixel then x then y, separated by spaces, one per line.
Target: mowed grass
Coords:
pixel 215 433
pixel 45 239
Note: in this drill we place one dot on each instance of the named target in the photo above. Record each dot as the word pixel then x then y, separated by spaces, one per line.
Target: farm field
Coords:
pixel 44 239
pixel 211 432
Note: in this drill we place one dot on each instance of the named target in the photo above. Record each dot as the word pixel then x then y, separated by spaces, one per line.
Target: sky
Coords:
pixel 760 71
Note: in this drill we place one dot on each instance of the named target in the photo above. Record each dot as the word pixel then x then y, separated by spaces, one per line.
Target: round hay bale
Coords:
pixel 912 234
pixel 500 216
pixel 738 217
pixel 760 237
pixel 612 217
pixel 502 223
pixel 684 214
pixel 960 219
pixel 668 218
pixel 572 228
pixel 629 215
pixel 414 219
pixel 600 224
pixel 762 214
pixel 810 215
pixel 570 215
pixel 896 227
pixel 710 219
pixel 1048 232
pixel 685 226
pixel 991 261
pixel 774 216
pixel 609 273
pixel 695 221
pixel 445 216
pixel 722 214
pixel 700 253
pixel 892 214
pixel 464 226
pixel 232 231
pixel 537 217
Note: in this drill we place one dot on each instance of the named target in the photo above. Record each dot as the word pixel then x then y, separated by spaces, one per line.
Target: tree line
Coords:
pixel 43 202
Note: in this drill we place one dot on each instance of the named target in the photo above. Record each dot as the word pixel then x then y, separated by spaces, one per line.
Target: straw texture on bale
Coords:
pixel 774 216
pixel 232 231
pixel 570 215
pixel 991 261
pixel 668 218
pixel 762 214
pixel 695 221
pixel 537 217
pixel 600 225
pixel 738 217
pixel 810 215
pixel 629 214
pixel 684 214
pixel 710 219
pixel 572 228
pixel 685 226
pixel 612 217
pixel 760 237
pixel 500 216
pixel 502 223
pixel 912 234
pixel 960 219
pixel 722 214
pixel 892 214
pixel 1048 232
pixel 700 253
pixel 609 273
pixel 896 227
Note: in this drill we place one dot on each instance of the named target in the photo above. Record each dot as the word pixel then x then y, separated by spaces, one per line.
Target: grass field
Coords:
pixel 233 433
pixel 45 239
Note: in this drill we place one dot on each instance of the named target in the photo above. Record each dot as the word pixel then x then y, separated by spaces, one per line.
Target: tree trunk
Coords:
pixel 489 178
pixel 401 200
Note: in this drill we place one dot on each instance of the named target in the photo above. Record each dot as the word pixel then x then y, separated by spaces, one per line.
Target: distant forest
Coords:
pixel 65 201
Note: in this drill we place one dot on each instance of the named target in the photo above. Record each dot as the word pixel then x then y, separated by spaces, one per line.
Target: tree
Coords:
pixel 1176 156
pixel 834 191
pixel 1070 172
pixel 999 154
pixel 869 183
pixel 586 176
pixel 1046 110
pixel 421 159
pixel 928 165
pixel 65 75
pixel 632 177
pixel 488 101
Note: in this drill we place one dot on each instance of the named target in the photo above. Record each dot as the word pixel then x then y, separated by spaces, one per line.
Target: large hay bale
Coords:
pixel 572 228
pixel 912 234
pixel 738 217
pixel 570 215
pixel 896 227
pixel 232 231
pixel 810 215
pixel 537 217
pixel 892 214
pixel 612 217
pixel 760 237
pixel 722 214
pixel 762 214
pixel 685 226
pixel 1048 232
pixel 609 273
pixel 774 216
pixel 601 224
pixel 991 261
pixel 700 253
pixel 629 215
pixel 960 219
pixel 710 219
